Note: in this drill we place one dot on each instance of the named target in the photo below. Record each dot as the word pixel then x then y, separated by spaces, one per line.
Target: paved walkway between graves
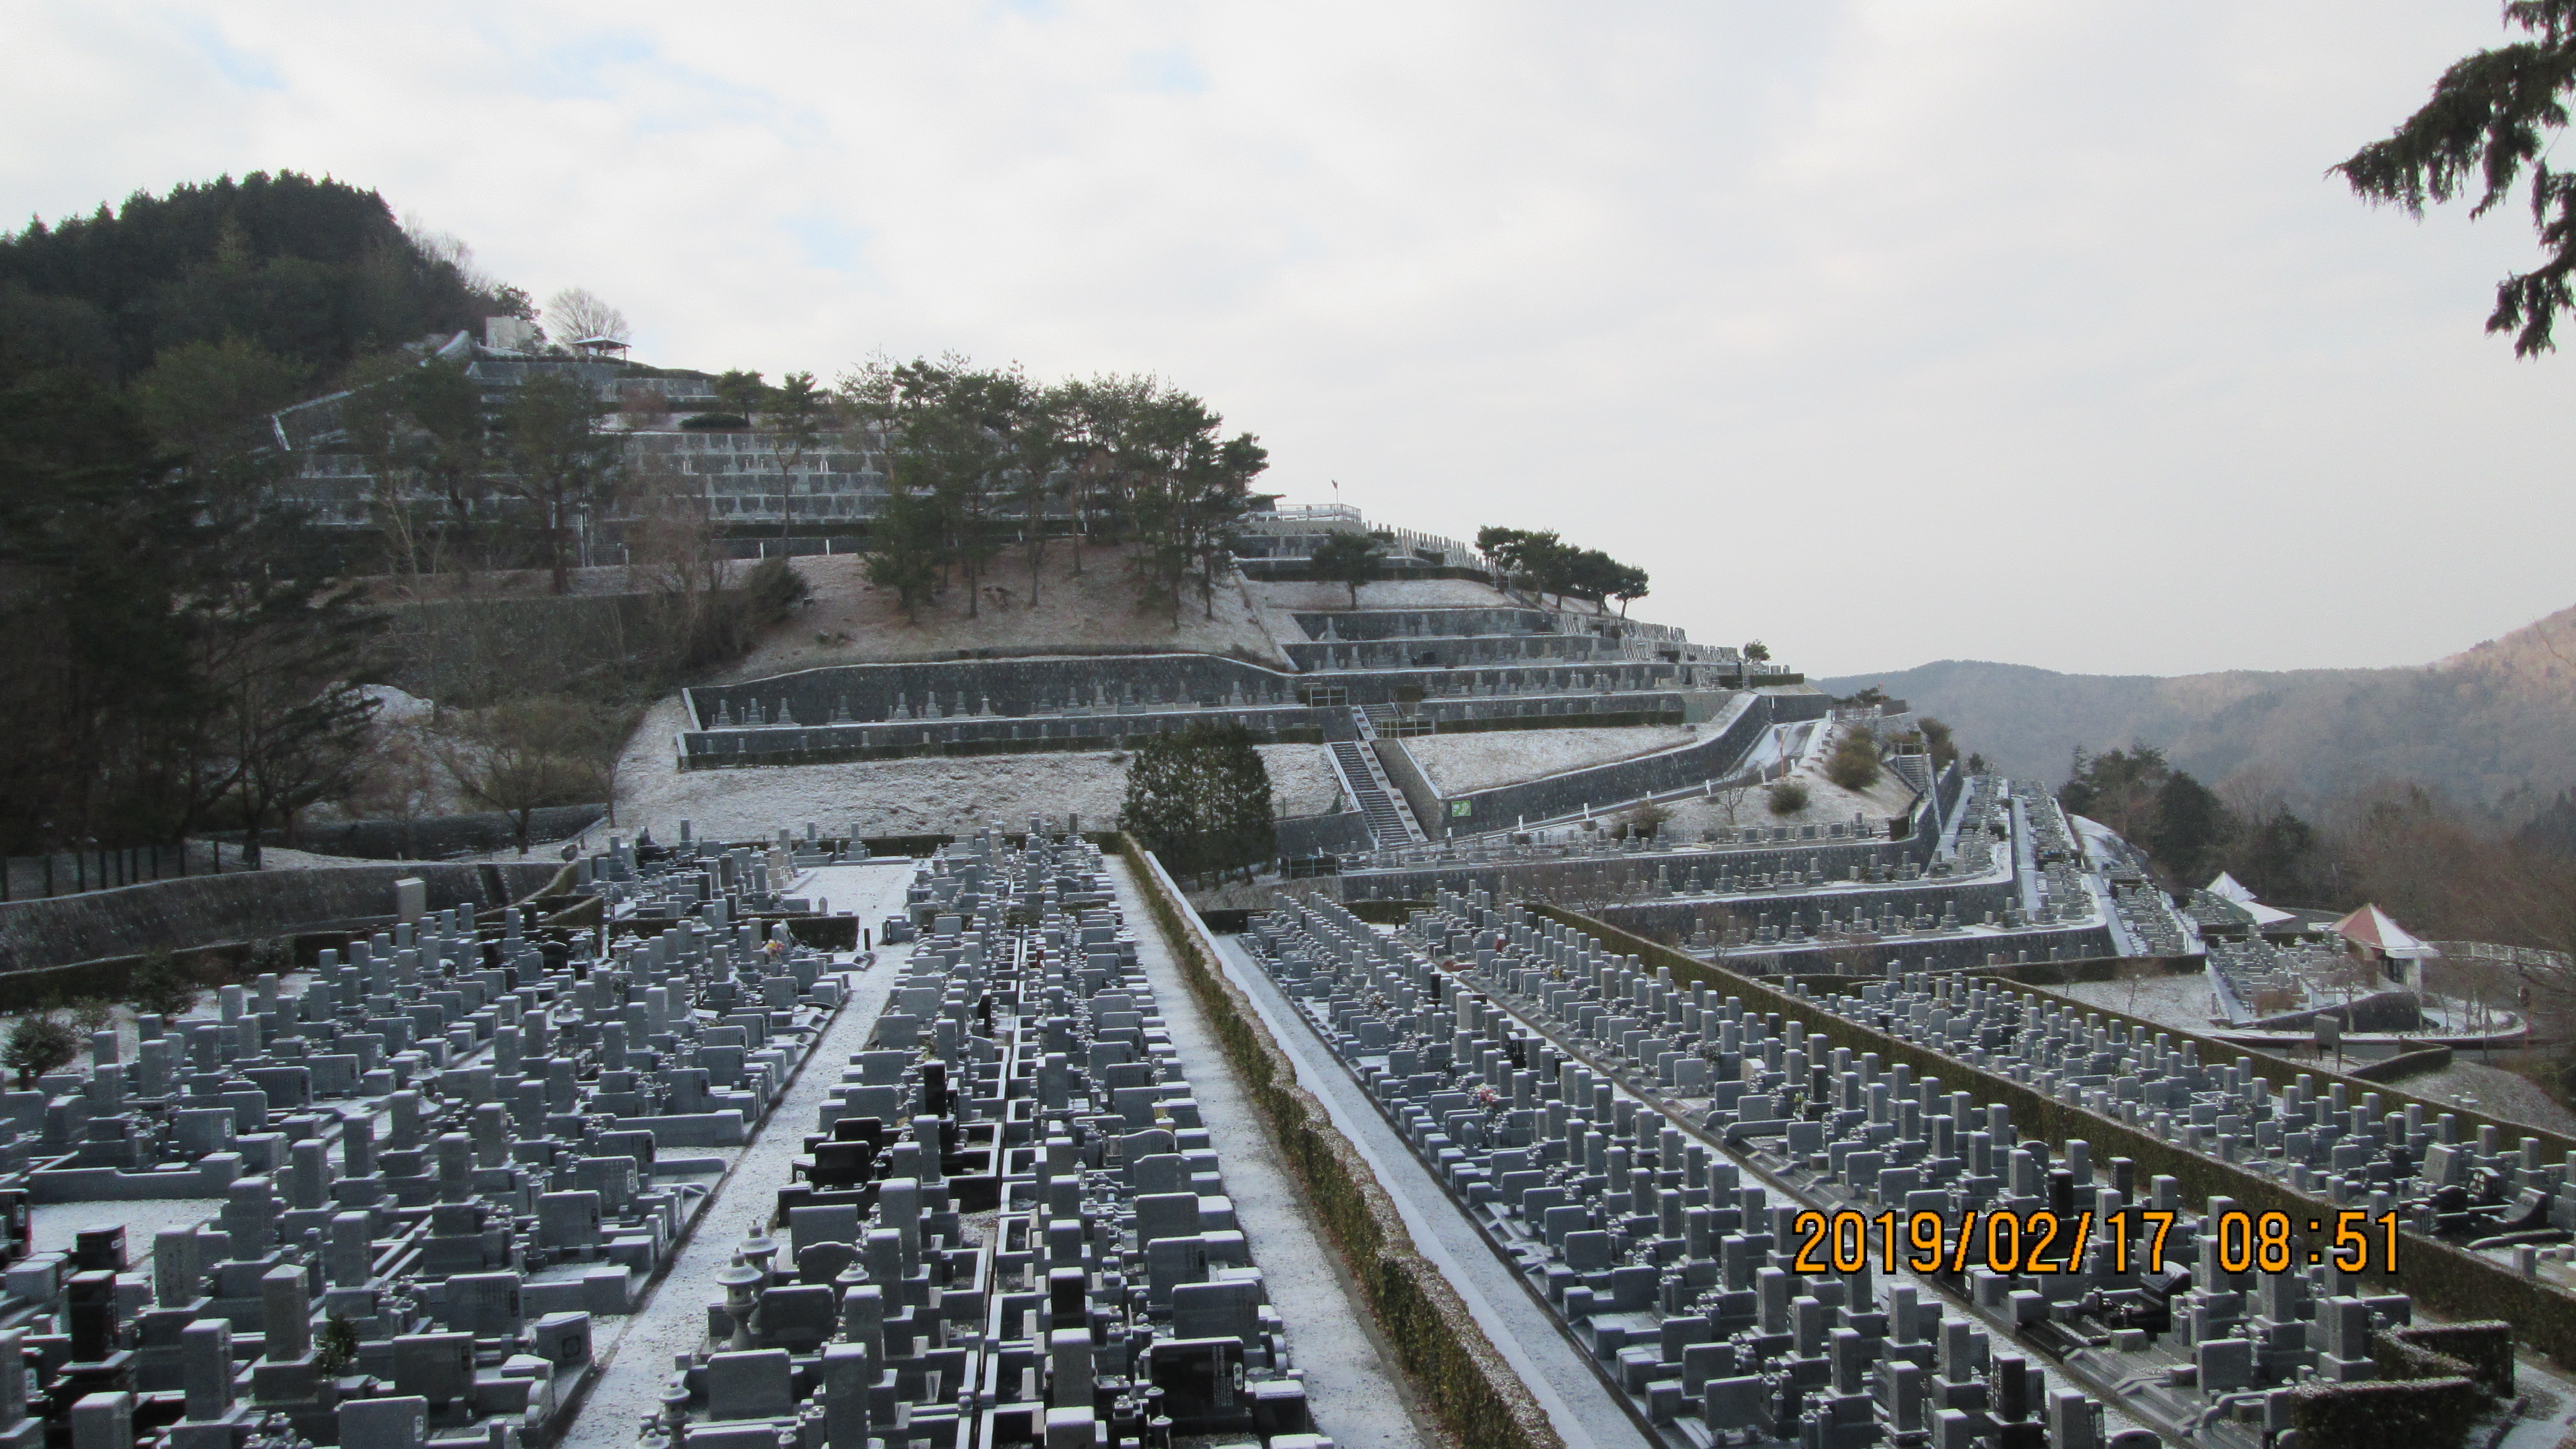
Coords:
pixel 1574 1398
pixel 1353 1384
pixel 53 1226
pixel 674 1320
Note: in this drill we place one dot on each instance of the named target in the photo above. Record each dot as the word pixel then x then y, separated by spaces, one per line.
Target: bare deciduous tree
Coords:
pixel 577 314
pixel 522 756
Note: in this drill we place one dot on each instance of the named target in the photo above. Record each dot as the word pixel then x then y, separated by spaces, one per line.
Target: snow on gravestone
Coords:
pixel 411 898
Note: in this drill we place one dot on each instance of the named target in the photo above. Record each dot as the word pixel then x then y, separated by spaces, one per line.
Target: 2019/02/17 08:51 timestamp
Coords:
pixel 2045 1242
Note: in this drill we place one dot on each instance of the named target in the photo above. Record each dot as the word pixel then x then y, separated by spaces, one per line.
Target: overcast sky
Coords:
pixel 1886 332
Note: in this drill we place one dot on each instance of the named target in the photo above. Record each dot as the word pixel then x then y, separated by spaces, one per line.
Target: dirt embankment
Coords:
pixel 851 621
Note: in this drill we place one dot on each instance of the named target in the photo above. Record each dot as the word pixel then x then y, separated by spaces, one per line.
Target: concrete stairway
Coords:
pixel 1390 820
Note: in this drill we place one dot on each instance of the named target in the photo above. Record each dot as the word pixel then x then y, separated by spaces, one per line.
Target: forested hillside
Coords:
pixel 313 273
pixel 178 651
pixel 2493 726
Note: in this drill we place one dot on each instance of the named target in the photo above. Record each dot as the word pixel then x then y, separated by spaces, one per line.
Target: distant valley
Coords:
pixel 2493 726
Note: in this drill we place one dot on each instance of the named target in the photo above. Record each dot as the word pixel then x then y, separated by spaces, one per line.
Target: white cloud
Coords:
pixel 1883 330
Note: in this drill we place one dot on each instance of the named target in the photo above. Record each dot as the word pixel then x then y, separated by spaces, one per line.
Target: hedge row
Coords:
pixel 2449 1280
pixel 2434 1382
pixel 1469 1386
pixel 2434 1413
pixel 2482 1351
pixel 2089 968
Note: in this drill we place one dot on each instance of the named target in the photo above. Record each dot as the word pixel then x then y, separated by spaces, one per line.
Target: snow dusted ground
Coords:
pixel 1301 778
pixel 1827 802
pixel 1396 594
pixel 850 621
pixel 1460 764
pixel 916 796
pixel 1277 604
pixel 2469 1083
pixel 2177 1001
pixel 859 623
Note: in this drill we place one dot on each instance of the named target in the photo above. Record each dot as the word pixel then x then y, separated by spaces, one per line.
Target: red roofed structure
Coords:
pixel 2372 936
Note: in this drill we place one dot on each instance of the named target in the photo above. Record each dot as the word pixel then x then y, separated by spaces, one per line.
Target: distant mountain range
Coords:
pixel 2493 726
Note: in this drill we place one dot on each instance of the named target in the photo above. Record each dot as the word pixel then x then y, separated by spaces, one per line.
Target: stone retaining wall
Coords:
pixel 1335 834
pixel 431 837
pixel 1421 623
pixel 173 915
pixel 869 692
pixel 1624 780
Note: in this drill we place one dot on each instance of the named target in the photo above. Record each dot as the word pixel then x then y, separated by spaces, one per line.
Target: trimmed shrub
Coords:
pixel 2434 1381
pixel 1645 822
pixel 335 1348
pixel 772 588
pixel 1854 763
pixel 40 1043
pixel 92 1013
pixel 1787 797
pixel 2398 1414
pixel 2483 1351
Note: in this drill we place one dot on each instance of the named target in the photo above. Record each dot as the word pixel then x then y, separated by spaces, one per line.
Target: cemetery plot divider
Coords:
pixel 2449 1279
pixel 1446 1353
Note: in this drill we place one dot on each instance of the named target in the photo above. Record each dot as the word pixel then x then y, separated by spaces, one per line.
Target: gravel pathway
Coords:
pixel 674 1321
pixel 1357 1395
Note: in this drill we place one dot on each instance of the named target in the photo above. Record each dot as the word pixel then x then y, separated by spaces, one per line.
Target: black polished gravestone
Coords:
pixel 96 1364
pixel 1202 1382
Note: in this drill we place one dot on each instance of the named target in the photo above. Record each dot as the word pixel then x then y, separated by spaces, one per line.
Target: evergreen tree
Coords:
pixel 179 652
pixel 741 394
pixel 314 272
pixel 1349 559
pixel 557 463
pixel 2189 828
pixel 92 514
pixel 942 423
pixel 799 419
pixel 1099 413
pixel 1041 443
pixel 1186 491
pixel 2276 857
pixel 2491 114
pixel 211 398
pixel 421 428
pixel 903 547
pixel 1200 799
